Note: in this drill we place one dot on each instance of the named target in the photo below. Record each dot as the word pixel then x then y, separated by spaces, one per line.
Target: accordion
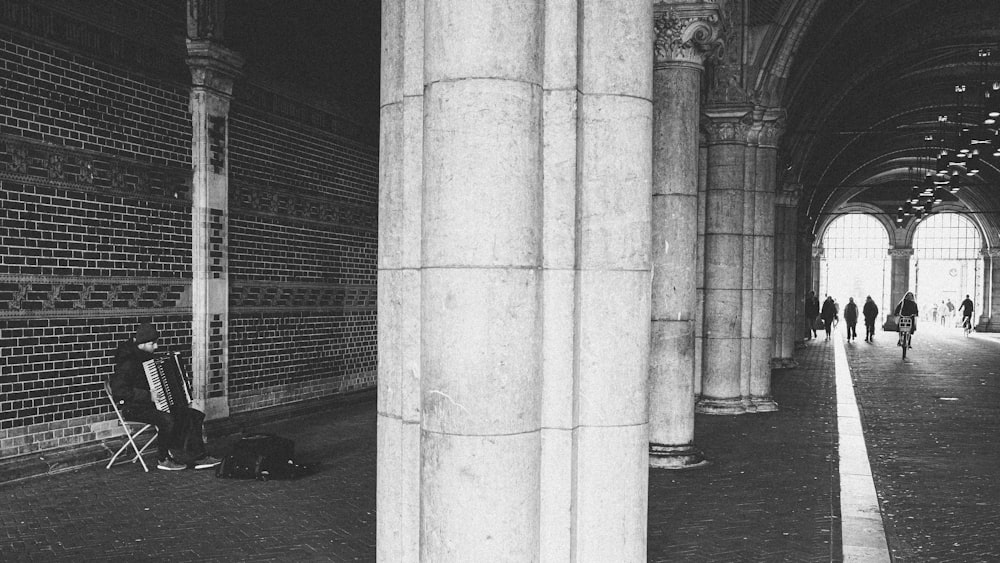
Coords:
pixel 168 383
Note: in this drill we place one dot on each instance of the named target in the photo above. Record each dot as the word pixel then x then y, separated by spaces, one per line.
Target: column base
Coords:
pixel 764 404
pixel 676 457
pixel 783 363
pixel 720 406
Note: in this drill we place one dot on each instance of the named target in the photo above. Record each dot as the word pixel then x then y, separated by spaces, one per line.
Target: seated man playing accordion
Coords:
pixel 178 432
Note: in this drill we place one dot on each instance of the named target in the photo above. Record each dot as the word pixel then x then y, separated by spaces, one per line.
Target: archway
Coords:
pixel 855 260
pixel 947 264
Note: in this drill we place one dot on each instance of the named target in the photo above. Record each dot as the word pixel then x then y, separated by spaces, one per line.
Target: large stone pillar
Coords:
pixel 787 320
pixel 761 310
pixel 480 385
pixel 803 280
pixel 514 280
pixel 684 32
pixel 721 391
pixel 900 275
pixel 989 320
pixel 213 70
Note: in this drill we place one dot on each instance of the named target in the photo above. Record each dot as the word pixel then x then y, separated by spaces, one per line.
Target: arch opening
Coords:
pixel 855 261
pixel 947 265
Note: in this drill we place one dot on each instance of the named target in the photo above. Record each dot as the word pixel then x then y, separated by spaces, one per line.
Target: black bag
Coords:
pixel 261 457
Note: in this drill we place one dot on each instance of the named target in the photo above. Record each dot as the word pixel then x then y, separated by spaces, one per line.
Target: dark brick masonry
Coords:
pixel 771 493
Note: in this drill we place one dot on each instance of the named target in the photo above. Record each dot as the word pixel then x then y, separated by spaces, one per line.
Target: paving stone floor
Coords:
pixel 770 494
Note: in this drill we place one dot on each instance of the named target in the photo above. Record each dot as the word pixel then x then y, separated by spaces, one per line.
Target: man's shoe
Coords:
pixel 207 462
pixel 170 465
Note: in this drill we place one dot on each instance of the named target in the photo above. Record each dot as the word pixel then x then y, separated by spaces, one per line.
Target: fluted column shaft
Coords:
pixel 721 391
pixel 682 39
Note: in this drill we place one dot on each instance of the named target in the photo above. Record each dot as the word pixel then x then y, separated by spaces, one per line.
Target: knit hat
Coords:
pixel 146 333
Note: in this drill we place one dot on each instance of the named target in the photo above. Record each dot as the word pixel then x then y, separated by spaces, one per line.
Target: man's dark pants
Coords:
pixel 178 432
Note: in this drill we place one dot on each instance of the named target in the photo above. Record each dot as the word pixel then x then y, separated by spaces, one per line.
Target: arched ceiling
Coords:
pixel 864 83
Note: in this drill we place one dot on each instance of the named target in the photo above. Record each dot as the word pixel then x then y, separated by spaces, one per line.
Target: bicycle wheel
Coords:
pixel 906 343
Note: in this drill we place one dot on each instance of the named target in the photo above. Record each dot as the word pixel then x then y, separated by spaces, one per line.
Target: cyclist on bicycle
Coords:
pixel 967 307
pixel 907 307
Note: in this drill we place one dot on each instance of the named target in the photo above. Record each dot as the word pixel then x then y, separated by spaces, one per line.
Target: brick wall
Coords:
pixel 95 210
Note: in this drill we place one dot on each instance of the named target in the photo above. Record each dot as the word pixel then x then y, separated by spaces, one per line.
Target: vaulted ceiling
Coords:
pixel 864 83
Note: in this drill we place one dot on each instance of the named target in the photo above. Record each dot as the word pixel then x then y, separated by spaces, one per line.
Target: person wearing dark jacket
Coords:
pixel 828 314
pixel 811 312
pixel 870 311
pixel 179 433
pixel 851 316
pixel 907 307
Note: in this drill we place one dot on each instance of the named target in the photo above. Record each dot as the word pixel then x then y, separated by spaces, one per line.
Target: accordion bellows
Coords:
pixel 168 383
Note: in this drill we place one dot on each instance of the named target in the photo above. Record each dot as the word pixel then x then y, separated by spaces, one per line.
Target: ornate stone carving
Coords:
pixel 990 253
pixel 900 252
pixel 214 68
pixel 685 32
pixel 817 251
pixel 771 132
pixel 725 82
pixel 733 128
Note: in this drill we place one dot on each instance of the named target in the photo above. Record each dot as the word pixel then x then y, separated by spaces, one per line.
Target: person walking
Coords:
pixel 828 314
pixel 870 311
pixel 851 317
pixel 967 307
pixel 812 313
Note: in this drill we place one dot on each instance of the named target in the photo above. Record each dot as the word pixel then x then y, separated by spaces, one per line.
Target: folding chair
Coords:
pixel 131 436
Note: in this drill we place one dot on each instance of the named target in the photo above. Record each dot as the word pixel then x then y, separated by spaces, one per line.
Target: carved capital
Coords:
pixel 771 132
pixel 990 253
pixel 213 67
pixel 728 127
pixel 817 251
pixel 900 252
pixel 685 32
pixel 788 195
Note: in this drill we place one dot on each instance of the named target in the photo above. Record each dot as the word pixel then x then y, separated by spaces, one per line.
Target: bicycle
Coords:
pixel 967 325
pixel 905 332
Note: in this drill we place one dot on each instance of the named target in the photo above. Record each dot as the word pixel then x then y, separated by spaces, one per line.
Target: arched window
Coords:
pixel 947 236
pixel 947 263
pixel 855 260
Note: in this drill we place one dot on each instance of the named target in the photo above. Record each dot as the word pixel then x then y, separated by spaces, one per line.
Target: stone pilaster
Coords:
pixel 786 316
pixel 804 280
pixel 685 34
pixel 213 70
pixel 899 274
pixel 726 131
pixel 761 235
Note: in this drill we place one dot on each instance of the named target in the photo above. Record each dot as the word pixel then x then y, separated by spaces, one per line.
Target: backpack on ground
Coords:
pixel 262 457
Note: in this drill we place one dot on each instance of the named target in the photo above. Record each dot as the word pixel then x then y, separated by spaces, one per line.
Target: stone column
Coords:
pixel 787 322
pixel 213 70
pixel 480 375
pixel 900 275
pixel 684 33
pixel 989 320
pixel 613 210
pixel 514 294
pixel 399 254
pixel 762 240
pixel 723 310
pixel 699 313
